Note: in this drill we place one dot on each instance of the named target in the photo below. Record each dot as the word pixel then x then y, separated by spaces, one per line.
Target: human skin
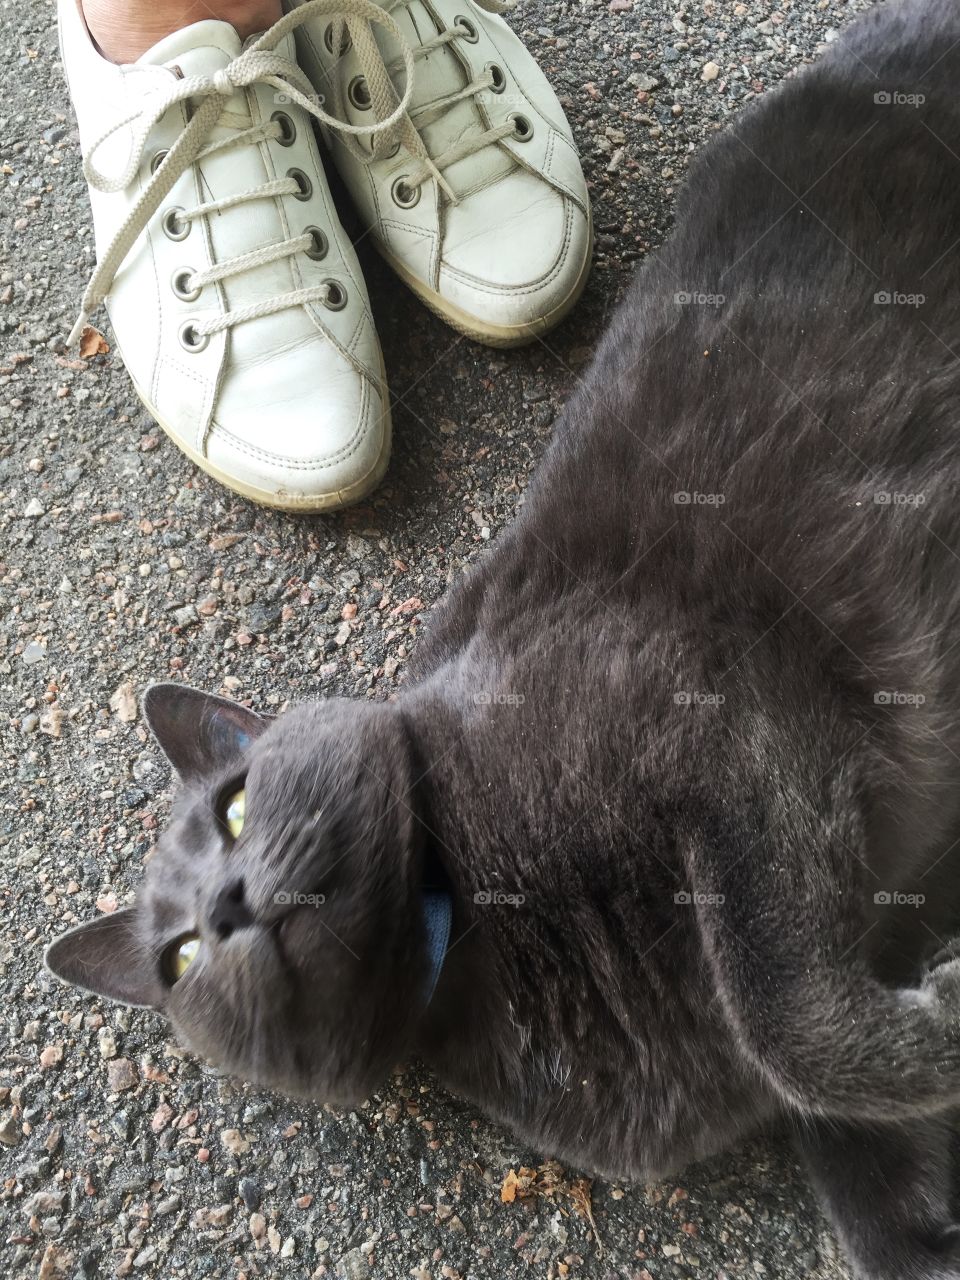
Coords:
pixel 124 31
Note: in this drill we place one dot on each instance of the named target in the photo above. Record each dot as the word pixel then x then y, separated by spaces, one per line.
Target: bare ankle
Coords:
pixel 123 32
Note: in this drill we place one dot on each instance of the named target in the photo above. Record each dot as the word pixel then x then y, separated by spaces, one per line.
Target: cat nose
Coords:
pixel 229 911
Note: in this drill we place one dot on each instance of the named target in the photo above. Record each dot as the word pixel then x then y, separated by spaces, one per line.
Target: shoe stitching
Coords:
pixel 321 463
pixel 506 291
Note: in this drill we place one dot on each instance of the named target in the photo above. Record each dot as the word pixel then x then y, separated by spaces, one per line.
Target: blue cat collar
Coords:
pixel 437 917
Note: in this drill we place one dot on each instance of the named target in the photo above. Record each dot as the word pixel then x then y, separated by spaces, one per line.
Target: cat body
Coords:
pixel 683 749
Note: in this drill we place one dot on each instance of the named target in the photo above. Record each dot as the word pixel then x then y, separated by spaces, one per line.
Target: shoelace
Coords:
pixel 391 130
pixel 394 123
pixel 209 95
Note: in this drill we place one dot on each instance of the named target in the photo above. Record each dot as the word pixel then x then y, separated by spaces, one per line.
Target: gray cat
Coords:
pixel 659 841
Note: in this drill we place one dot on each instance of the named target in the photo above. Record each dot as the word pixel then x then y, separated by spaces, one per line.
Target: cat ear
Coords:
pixel 199 732
pixel 106 956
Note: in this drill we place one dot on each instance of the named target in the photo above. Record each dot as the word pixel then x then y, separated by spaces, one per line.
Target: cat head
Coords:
pixel 281 926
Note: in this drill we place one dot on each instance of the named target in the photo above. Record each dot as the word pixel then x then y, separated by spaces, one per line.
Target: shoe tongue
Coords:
pixel 197 49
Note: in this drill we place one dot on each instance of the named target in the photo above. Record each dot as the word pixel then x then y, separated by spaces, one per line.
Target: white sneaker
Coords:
pixel 475 197
pixel 235 296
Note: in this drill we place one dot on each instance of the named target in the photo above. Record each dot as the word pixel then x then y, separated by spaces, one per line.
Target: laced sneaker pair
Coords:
pixel 235 295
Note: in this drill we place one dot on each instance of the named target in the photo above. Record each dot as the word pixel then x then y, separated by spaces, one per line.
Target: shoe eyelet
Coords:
pixel 498 79
pixel 190 340
pixel 468 31
pixel 303 182
pixel 404 196
pixel 179 285
pixel 288 130
pixel 394 151
pixel 158 160
pixel 318 250
pixel 336 298
pixel 522 128
pixel 345 40
pixel 359 93
pixel 175 227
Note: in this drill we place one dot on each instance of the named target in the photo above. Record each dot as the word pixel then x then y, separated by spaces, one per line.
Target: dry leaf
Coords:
pixel 92 343
pixel 123 702
pixel 550 1182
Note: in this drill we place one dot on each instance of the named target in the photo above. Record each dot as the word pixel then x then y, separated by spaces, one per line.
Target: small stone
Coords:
pixel 273 1239
pixel 170 1205
pixel 353 1266
pixel 288 1248
pixel 9 1131
pixel 234 1141
pixel 55 1263
pixel 52 722
pixel 33 653
pixel 44 1203
pixel 123 702
pixel 121 1075
pixel 33 509
pixel 161 1117
pixel 710 72
pixel 51 1056
pixel 261 618
pixel 107 1043
pixel 357 548
pixel 30 723
pixel 185 616
pixel 224 541
pixel 258 1226
pixel 250 1194
pixel 218 1217
pixel 36 465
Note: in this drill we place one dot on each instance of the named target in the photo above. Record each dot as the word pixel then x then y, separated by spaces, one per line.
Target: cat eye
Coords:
pixel 233 812
pixel 180 956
